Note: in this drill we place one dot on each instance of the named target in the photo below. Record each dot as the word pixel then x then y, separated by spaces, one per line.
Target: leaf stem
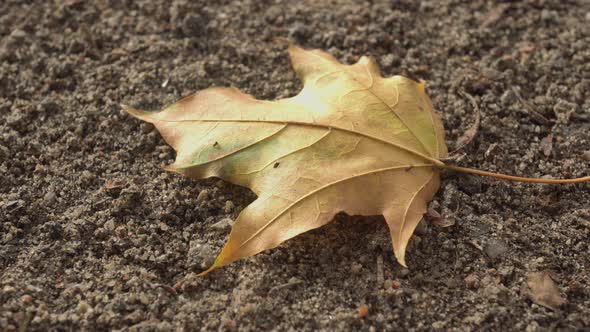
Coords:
pixel 513 178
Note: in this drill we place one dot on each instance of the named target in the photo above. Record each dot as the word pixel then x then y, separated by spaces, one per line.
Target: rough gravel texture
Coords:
pixel 93 234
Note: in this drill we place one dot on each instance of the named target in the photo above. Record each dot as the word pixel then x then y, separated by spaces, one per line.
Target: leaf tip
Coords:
pixel 171 168
pixel 143 115
pixel 294 50
pixel 403 263
pixel 207 271
pixel 217 263
pixel 422 86
pixel 401 259
pixel 282 40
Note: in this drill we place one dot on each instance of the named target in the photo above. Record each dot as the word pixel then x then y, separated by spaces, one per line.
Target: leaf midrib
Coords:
pixel 298 123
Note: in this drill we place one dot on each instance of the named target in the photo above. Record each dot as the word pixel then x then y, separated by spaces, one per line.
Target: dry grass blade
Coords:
pixel 470 133
pixel 538 117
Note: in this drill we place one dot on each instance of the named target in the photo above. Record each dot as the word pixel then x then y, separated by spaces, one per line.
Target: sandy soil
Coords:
pixel 93 233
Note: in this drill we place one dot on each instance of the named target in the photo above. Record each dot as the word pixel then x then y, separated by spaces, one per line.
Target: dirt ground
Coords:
pixel 93 233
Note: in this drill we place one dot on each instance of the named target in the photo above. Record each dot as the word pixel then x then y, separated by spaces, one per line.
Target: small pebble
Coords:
pixel 109 225
pixel 230 324
pixel 228 207
pixel 18 34
pixel 163 226
pixel 422 228
pixel 48 105
pixel 4 152
pixel 26 299
pixel 8 289
pixel 247 309
pixel 200 255
pixel 121 231
pixel 472 281
pixel 222 225
pixel 203 196
pixel 379 318
pixel 144 299
pixel 193 25
pixel 49 198
pixel 82 307
pixel 363 311
pixel 355 268
pixel 387 284
pixel 586 155
pixel 492 291
pixel 495 248
pixel 438 325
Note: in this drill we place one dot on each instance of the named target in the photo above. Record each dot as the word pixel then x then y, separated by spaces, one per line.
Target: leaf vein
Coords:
pixel 328 185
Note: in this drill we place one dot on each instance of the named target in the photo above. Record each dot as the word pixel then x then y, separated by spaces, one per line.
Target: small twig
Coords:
pixel 547 145
pixel 540 118
pixel 181 285
pixel 468 136
pixel 282 41
pixel 494 15
pixel 86 34
pixel 470 133
pixel 25 323
pixel 290 283
pixel 104 200
pixel 476 245
pixel 380 274
pixel 167 288
pixel 458 79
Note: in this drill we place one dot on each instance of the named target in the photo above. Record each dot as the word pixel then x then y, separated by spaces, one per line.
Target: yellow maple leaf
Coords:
pixel 350 141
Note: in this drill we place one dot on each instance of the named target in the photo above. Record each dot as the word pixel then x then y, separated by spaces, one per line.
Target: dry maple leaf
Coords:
pixel 350 141
pixel 543 291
